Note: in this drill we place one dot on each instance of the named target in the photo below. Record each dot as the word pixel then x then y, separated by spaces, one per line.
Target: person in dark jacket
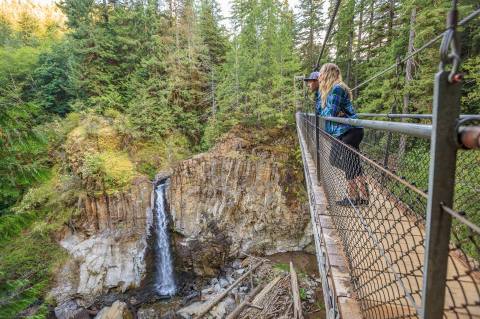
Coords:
pixel 334 100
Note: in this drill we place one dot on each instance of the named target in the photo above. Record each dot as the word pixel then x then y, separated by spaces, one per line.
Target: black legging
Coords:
pixel 343 158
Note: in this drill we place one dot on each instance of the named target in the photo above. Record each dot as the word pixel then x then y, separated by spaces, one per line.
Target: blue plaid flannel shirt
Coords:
pixel 337 101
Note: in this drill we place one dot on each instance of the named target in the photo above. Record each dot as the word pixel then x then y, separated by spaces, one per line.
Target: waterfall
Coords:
pixel 164 279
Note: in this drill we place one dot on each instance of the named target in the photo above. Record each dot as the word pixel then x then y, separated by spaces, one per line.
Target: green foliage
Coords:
pixel 152 157
pixel 29 255
pixel 21 139
pixel 255 89
pixel 282 267
pixel 114 169
pixel 320 305
pixel 50 81
pixel 303 293
pixel 27 265
pixel 309 27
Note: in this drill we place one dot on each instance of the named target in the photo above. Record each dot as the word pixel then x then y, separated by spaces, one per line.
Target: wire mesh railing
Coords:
pixel 377 199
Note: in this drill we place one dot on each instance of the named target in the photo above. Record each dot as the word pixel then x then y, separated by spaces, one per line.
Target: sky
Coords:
pixel 224 5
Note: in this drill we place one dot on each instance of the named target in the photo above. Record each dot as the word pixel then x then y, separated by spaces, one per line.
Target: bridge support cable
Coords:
pixel 426 45
pixel 327 35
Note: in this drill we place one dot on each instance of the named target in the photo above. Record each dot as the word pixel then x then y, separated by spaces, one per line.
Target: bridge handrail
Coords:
pixel 410 129
pixel 413 116
pixel 468 136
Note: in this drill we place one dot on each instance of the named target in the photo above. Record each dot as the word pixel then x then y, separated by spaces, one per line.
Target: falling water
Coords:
pixel 164 280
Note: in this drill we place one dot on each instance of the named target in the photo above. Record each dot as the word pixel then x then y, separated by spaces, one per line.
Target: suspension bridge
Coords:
pixel 412 250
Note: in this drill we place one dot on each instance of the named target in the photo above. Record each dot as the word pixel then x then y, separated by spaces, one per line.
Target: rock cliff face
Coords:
pixel 107 243
pixel 238 198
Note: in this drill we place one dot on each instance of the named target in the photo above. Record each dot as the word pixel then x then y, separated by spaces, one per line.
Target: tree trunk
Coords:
pixel 370 29
pixel 408 77
pixel 214 101
pixel 359 44
pixel 350 55
pixel 391 13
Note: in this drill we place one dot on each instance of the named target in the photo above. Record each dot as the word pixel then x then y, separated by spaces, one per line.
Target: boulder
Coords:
pixel 118 310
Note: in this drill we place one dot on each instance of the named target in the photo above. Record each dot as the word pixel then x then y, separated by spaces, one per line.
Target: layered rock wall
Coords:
pixel 107 243
pixel 234 200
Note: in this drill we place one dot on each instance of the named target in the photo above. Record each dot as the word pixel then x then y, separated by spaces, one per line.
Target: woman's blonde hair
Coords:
pixel 329 76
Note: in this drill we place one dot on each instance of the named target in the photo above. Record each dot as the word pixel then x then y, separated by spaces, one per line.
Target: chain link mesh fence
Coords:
pixel 378 200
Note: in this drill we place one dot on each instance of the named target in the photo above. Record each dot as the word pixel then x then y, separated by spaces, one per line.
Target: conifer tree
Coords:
pixel 310 24
pixel 215 40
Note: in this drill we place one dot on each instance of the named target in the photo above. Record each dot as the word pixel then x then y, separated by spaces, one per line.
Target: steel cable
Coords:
pixel 329 30
pixel 463 22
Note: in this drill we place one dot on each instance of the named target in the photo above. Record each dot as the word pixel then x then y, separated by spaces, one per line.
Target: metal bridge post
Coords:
pixel 446 104
pixel 446 110
pixel 386 156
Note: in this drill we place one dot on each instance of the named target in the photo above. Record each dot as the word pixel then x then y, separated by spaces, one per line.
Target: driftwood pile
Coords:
pixel 274 293
pixel 278 299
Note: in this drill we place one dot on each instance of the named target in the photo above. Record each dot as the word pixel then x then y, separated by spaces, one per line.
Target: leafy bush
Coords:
pixel 111 168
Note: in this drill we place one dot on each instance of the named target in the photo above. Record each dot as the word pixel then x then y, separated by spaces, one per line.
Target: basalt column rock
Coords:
pixel 237 198
pixel 107 243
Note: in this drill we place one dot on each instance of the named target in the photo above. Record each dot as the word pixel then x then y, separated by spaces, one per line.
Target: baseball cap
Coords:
pixel 313 76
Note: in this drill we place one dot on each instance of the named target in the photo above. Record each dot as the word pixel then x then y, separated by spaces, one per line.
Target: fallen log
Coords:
pixel 297 304
pixel 254 306
pixel 266 290
pixel 234 314
pixel 217 299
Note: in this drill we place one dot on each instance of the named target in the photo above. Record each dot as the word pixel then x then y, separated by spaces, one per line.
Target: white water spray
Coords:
pixel 164 280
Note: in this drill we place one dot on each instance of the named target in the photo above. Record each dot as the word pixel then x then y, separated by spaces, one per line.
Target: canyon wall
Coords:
pixel 107 243
pixel 242 197
pixel 239 198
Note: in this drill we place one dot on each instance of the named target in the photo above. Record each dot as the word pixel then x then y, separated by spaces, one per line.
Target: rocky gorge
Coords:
pixel 243 197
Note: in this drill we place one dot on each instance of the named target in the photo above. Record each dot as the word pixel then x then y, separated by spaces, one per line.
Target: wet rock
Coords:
pixel 169 315
pixel 190 297
pixel 147 313
pixel 118 310
pixel 191 310
pixel 223 283
pixel 243 289
pixel 71 310
pixel 217 288
pixel 207 291
pixel 237 264
pixel 223 308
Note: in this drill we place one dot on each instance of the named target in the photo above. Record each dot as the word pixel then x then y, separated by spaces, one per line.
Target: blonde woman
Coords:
pixel 334 99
